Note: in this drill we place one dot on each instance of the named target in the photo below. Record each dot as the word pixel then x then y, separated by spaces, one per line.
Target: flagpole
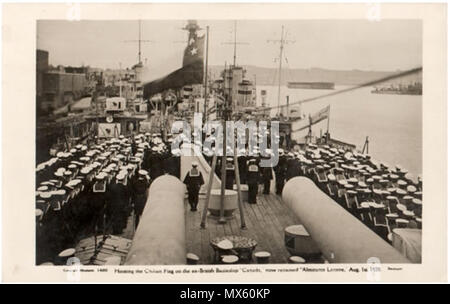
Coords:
pixel 328 123
pixel 205 105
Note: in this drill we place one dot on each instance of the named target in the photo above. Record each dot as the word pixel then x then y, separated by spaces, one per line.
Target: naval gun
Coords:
pixel 160 238
pixel 340 236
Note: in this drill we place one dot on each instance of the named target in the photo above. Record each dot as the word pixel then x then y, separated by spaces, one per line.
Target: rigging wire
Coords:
pixel 370 83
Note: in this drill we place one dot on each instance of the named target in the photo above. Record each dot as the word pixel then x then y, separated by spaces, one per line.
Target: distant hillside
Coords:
pixel 269 76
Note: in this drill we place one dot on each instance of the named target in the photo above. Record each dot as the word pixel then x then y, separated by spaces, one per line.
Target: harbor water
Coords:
pixel 393 123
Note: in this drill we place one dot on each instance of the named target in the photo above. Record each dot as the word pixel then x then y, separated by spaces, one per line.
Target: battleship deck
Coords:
pixel 265 223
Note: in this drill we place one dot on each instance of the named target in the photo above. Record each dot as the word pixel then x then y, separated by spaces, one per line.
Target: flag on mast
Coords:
pixel 190 73
pixel 320 115
pixel 303 124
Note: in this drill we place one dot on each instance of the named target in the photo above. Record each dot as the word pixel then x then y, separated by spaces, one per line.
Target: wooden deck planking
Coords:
pixel 255 229
pixel 275 207
pixel 270 217
pixel 265 223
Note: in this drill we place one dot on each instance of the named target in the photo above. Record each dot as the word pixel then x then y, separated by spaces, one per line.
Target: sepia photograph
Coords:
pixel 113 187
pixel 232 145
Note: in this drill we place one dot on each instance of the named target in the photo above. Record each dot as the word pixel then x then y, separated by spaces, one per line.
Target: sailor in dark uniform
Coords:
pixel 193 180
pixel 230 173
pixel 99 198
pixel 173 163
pixel 253 178
pixel 292 167
pixel 156 169
pixel 146 157
pixel 55 230
pixel 242 165
pixel 280 172
pixel 266 175
pixel 140 187
pixel 116 212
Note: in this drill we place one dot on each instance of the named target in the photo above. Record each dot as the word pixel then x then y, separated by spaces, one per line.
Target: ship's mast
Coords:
pixel 235 43
pixel 280 66
pixel 235 31
pixel 139 41
pixel 205 102
pixel 282 42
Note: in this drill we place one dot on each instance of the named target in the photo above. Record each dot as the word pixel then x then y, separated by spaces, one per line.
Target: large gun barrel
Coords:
pixel 341 237
pixel 160 238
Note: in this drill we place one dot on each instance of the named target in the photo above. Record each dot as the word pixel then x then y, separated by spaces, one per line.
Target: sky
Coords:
pixel 386 45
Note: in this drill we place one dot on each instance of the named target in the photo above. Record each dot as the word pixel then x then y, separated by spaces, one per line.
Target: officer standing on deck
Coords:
pixel 193 180
pixel 253 178
pixel 280 172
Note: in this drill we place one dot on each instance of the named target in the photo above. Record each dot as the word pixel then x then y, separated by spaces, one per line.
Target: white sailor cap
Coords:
pixel 100 176
pixel 86 170
pixel 107 170
pixel 59 192
pixel 41 166
pixel 45 195
pixel 411 189
pixel 71 184
pixel 42 188
pixel 143 172
pixel 135 160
